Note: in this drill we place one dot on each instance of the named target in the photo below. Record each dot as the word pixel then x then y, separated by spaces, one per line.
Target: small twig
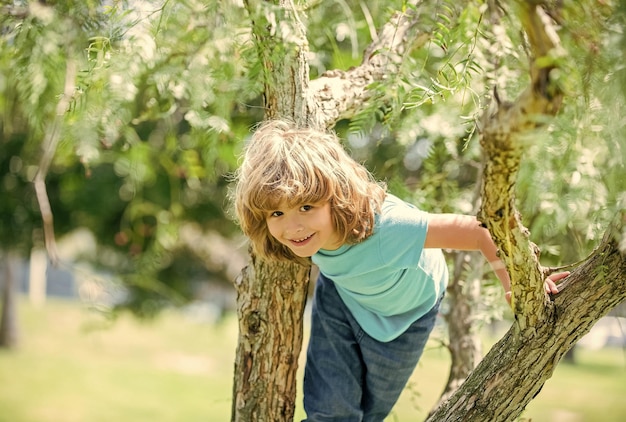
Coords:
pixel 50 142
pixel 549 270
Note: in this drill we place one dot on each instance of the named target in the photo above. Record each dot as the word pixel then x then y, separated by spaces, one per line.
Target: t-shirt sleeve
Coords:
pixel 402 236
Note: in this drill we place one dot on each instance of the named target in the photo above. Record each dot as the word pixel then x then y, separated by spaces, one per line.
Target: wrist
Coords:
pixel 497 265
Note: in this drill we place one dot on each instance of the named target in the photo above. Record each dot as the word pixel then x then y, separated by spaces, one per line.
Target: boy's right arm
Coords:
pixel 464 232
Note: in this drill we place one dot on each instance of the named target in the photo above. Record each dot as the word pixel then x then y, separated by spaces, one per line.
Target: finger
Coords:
pixel 558 276
pixel 550 286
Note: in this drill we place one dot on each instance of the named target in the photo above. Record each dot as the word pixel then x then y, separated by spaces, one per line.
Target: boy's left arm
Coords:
pixel 464 232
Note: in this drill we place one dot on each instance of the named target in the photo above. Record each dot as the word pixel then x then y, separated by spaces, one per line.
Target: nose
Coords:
pixel 294 226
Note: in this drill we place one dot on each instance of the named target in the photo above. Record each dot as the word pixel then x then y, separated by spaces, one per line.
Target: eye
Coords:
pixel 276 213
pixel 305 208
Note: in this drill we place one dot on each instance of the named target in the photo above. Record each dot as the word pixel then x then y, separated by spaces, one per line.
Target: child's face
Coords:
pixel 305 229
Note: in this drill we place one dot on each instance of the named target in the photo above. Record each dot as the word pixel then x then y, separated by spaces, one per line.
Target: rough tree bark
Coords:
pixel 545 328
pixel 270 338
pixel 515 369
pixel 271 296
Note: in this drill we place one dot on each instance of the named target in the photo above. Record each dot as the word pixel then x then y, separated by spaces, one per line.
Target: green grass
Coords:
pixel 70 368
pixel 73 365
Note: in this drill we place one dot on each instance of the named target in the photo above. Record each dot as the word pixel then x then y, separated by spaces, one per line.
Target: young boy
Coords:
pixel 382 272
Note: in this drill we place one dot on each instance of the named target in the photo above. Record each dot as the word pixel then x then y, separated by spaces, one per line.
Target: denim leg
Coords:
pixel 349 376
pixel 390 365
pixel 333 375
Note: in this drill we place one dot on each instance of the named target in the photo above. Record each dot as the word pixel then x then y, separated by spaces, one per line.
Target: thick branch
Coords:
pixel 504 136
pixel 516 368
pixel 340 93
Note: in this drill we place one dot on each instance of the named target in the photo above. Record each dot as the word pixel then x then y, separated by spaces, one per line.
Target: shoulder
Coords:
pixel 398 213
pixel 400 230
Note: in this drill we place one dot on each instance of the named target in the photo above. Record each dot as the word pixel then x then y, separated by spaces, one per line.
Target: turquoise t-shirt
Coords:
pixel 389 280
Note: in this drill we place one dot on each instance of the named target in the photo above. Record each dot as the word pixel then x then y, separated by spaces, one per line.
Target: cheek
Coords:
pixel 326 221
pixel 272 228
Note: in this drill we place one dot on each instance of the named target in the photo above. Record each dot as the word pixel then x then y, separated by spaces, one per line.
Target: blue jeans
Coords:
pixel 349 376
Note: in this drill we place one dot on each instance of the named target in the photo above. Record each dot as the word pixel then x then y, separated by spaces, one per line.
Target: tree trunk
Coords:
pixel 8 319
pixel 271 296
pixel 37 277
pixel 270 339
pixel 516 368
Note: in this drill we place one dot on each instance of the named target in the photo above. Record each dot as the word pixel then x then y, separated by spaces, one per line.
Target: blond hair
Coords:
pixel 286 165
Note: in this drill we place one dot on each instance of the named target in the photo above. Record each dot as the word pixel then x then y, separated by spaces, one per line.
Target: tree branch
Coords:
pixel 50 142
pixel 515 369
pixel 340 93
pixel 504 136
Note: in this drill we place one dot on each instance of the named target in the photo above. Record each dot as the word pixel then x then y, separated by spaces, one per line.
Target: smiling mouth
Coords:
pixel 304 239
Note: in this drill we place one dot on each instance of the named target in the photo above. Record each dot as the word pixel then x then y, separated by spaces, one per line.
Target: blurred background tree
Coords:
pixel 145 142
